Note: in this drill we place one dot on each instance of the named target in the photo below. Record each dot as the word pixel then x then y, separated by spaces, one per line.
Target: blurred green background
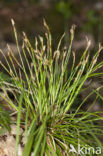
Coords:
pixel 87 15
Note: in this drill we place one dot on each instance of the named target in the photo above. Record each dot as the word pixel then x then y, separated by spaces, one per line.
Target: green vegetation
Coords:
pixel 45 94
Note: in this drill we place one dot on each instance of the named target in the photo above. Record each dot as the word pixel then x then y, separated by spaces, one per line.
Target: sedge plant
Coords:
pixel 44 94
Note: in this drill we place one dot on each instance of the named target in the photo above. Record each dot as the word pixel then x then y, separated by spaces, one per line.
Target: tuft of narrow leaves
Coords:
pixel 44 92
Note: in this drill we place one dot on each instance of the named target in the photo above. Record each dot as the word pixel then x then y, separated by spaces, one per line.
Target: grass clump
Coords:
pixel 44 93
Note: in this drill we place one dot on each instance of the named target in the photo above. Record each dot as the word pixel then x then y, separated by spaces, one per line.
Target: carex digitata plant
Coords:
pixel 44 92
